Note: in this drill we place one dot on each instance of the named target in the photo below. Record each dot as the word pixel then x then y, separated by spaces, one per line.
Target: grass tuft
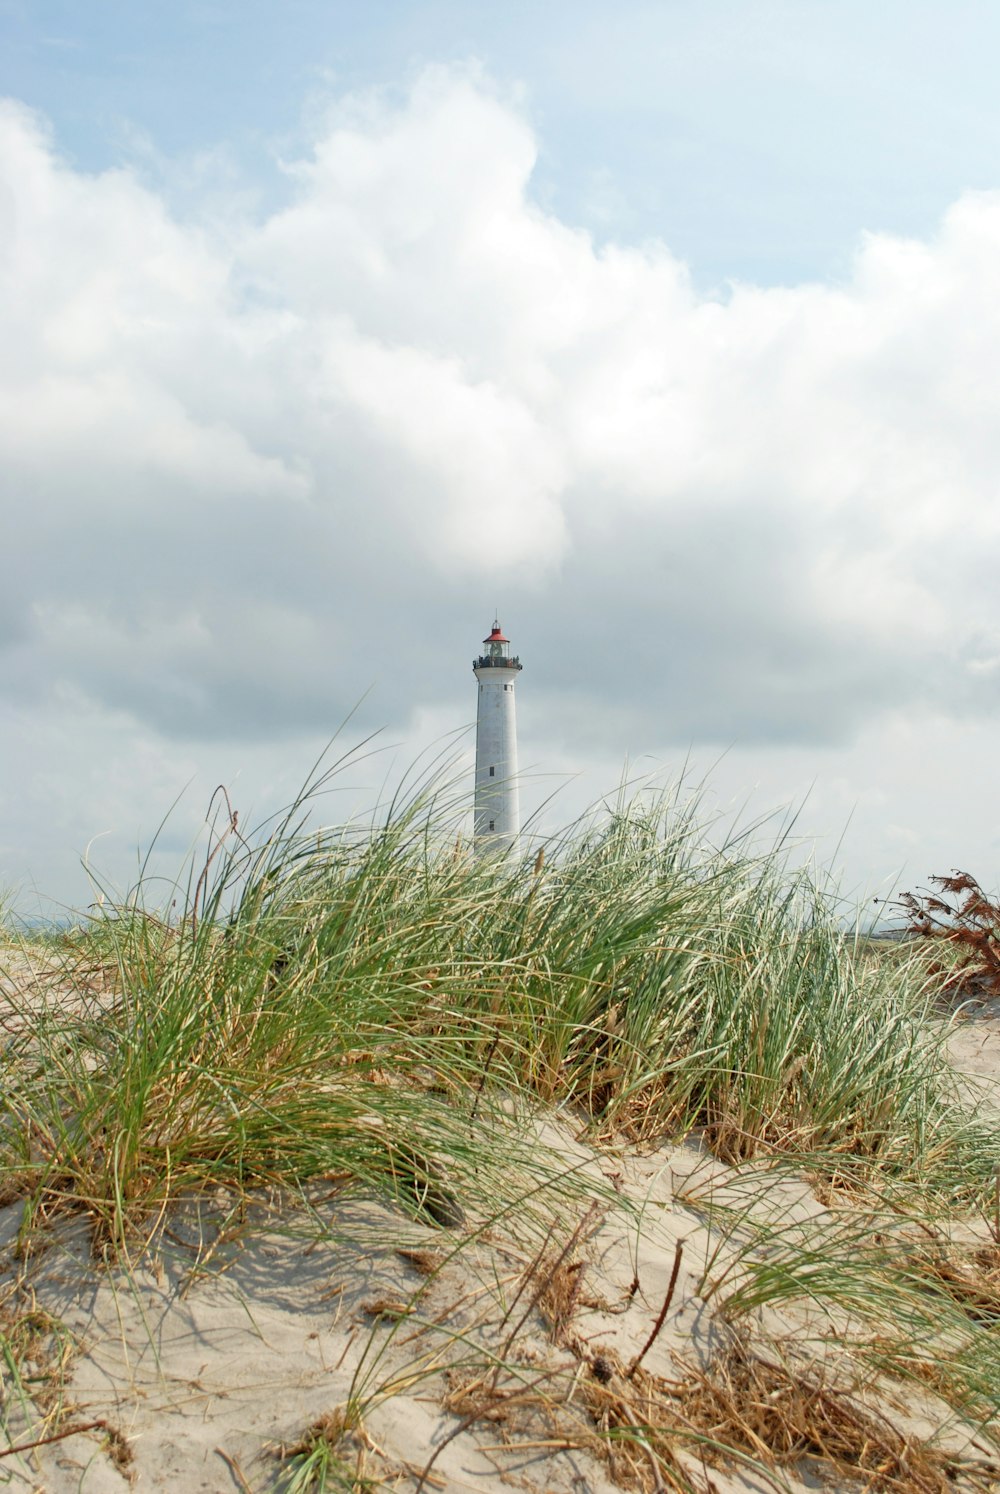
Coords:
pixel 374 1009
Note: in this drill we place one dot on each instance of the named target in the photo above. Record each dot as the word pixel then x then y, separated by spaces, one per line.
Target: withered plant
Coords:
pixel 959 914
pixel 783 1416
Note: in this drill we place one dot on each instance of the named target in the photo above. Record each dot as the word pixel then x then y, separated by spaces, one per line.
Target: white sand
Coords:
pixel 974 1048
pixel 213 1352
pixel 204 1370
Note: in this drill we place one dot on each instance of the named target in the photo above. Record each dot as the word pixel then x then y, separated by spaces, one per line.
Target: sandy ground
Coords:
pixel 195 1368
pixel 203 1370
pixel 974 1048
pixel 191 1370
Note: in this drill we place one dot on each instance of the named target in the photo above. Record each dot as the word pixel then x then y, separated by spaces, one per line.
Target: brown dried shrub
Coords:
pixel 784 1416
pixel 961 915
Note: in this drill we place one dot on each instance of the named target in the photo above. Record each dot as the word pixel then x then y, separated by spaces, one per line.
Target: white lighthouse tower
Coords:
pixel 497 812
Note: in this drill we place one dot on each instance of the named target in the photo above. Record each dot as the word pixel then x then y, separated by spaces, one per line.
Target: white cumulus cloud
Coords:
pixel 251 464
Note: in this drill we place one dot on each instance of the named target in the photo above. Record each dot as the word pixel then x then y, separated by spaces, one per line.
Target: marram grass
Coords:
pixel 358 1005
pixel 374 1008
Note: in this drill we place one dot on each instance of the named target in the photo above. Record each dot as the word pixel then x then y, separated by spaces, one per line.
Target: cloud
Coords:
pixel 253 465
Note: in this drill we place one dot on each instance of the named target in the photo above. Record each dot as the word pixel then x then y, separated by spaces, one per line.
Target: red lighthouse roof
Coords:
pixel 496 636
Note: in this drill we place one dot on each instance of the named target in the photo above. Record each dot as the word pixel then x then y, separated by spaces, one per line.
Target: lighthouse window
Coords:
pixel 491 824
pixel 493 772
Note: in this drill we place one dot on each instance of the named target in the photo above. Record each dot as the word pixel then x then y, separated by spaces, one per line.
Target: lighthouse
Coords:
pixel 497 811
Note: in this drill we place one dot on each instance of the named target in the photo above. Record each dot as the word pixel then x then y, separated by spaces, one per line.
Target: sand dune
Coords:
pixel 237 1332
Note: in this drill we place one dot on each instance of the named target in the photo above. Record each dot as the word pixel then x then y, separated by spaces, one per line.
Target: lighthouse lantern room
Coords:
pixel 497 811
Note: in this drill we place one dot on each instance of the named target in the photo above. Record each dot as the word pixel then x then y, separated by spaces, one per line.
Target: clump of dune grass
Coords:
pixel 265 1034
pixel 358 1003
pixel 370 1006
pixel 317 1460
pixel 660 985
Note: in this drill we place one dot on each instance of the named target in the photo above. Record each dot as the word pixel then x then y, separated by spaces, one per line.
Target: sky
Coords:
pixel 668 331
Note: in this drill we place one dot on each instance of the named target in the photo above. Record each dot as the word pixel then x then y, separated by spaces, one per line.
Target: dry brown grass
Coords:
pixel 784 1416
pixel 970 1276
pixel 747 1405
pixel 35 1342
pixel 35 1367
